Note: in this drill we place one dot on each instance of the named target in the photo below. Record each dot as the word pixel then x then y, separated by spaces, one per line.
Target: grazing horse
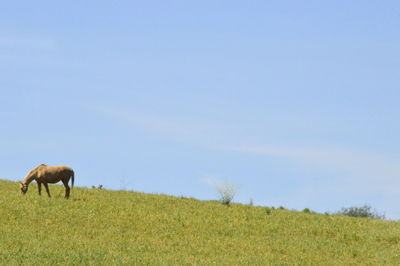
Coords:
pixel 44 174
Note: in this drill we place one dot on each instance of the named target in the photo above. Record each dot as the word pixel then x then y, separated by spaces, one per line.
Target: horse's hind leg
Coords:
pixel 47 189
pixel 67 189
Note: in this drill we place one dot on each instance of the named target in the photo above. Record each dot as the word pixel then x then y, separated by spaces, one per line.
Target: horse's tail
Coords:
pixel 72 177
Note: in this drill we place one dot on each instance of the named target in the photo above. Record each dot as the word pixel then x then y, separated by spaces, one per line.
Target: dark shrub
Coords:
pixel 364 211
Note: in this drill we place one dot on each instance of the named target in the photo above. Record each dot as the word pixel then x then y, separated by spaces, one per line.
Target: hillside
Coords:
pixel 101 227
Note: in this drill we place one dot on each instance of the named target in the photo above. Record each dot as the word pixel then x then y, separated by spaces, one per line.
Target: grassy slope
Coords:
pixel 117 227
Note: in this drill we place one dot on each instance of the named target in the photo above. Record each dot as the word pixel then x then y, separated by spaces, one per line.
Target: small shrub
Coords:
pixel 267 210
pixel 226 192
pixel 306 210
pixel 281 208
pixel 364 211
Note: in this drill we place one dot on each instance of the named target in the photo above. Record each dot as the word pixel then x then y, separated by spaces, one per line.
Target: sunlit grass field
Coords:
pixel 102 227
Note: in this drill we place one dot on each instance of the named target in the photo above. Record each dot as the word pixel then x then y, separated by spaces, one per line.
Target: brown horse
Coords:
pixel 44 174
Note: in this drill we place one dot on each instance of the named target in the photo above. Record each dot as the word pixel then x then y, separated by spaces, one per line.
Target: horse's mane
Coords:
pixel 32 174
pixel 34 170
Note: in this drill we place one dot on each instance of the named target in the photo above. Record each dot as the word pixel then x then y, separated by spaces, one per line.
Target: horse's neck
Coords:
pixel 27 180
pixel 33 174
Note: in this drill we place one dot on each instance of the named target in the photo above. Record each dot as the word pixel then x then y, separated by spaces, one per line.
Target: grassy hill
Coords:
pixel 101 227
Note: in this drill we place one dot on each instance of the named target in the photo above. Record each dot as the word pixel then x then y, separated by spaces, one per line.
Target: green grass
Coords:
pixel 101 227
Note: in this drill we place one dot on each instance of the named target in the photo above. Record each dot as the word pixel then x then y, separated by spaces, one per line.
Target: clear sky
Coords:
pixel 295 102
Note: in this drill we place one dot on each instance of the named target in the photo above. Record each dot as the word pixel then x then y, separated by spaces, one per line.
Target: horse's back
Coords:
pixel 59 169
pixel 53 174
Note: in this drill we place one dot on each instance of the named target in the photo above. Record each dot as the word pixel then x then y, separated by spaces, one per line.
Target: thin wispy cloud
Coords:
pixel 165 126
pixel 214 180
pixel 373 171
pixel 370 170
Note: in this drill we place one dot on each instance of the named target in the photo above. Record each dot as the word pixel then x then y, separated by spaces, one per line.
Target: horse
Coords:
pixel 44 174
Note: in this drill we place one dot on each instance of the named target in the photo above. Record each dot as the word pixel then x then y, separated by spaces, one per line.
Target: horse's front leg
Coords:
pixel 47 189
pixel 39 185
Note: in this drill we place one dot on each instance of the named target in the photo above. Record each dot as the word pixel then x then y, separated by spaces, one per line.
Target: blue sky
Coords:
pixel 295 102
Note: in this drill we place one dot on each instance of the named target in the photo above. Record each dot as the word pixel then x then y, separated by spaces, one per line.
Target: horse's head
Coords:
pixel 23 188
